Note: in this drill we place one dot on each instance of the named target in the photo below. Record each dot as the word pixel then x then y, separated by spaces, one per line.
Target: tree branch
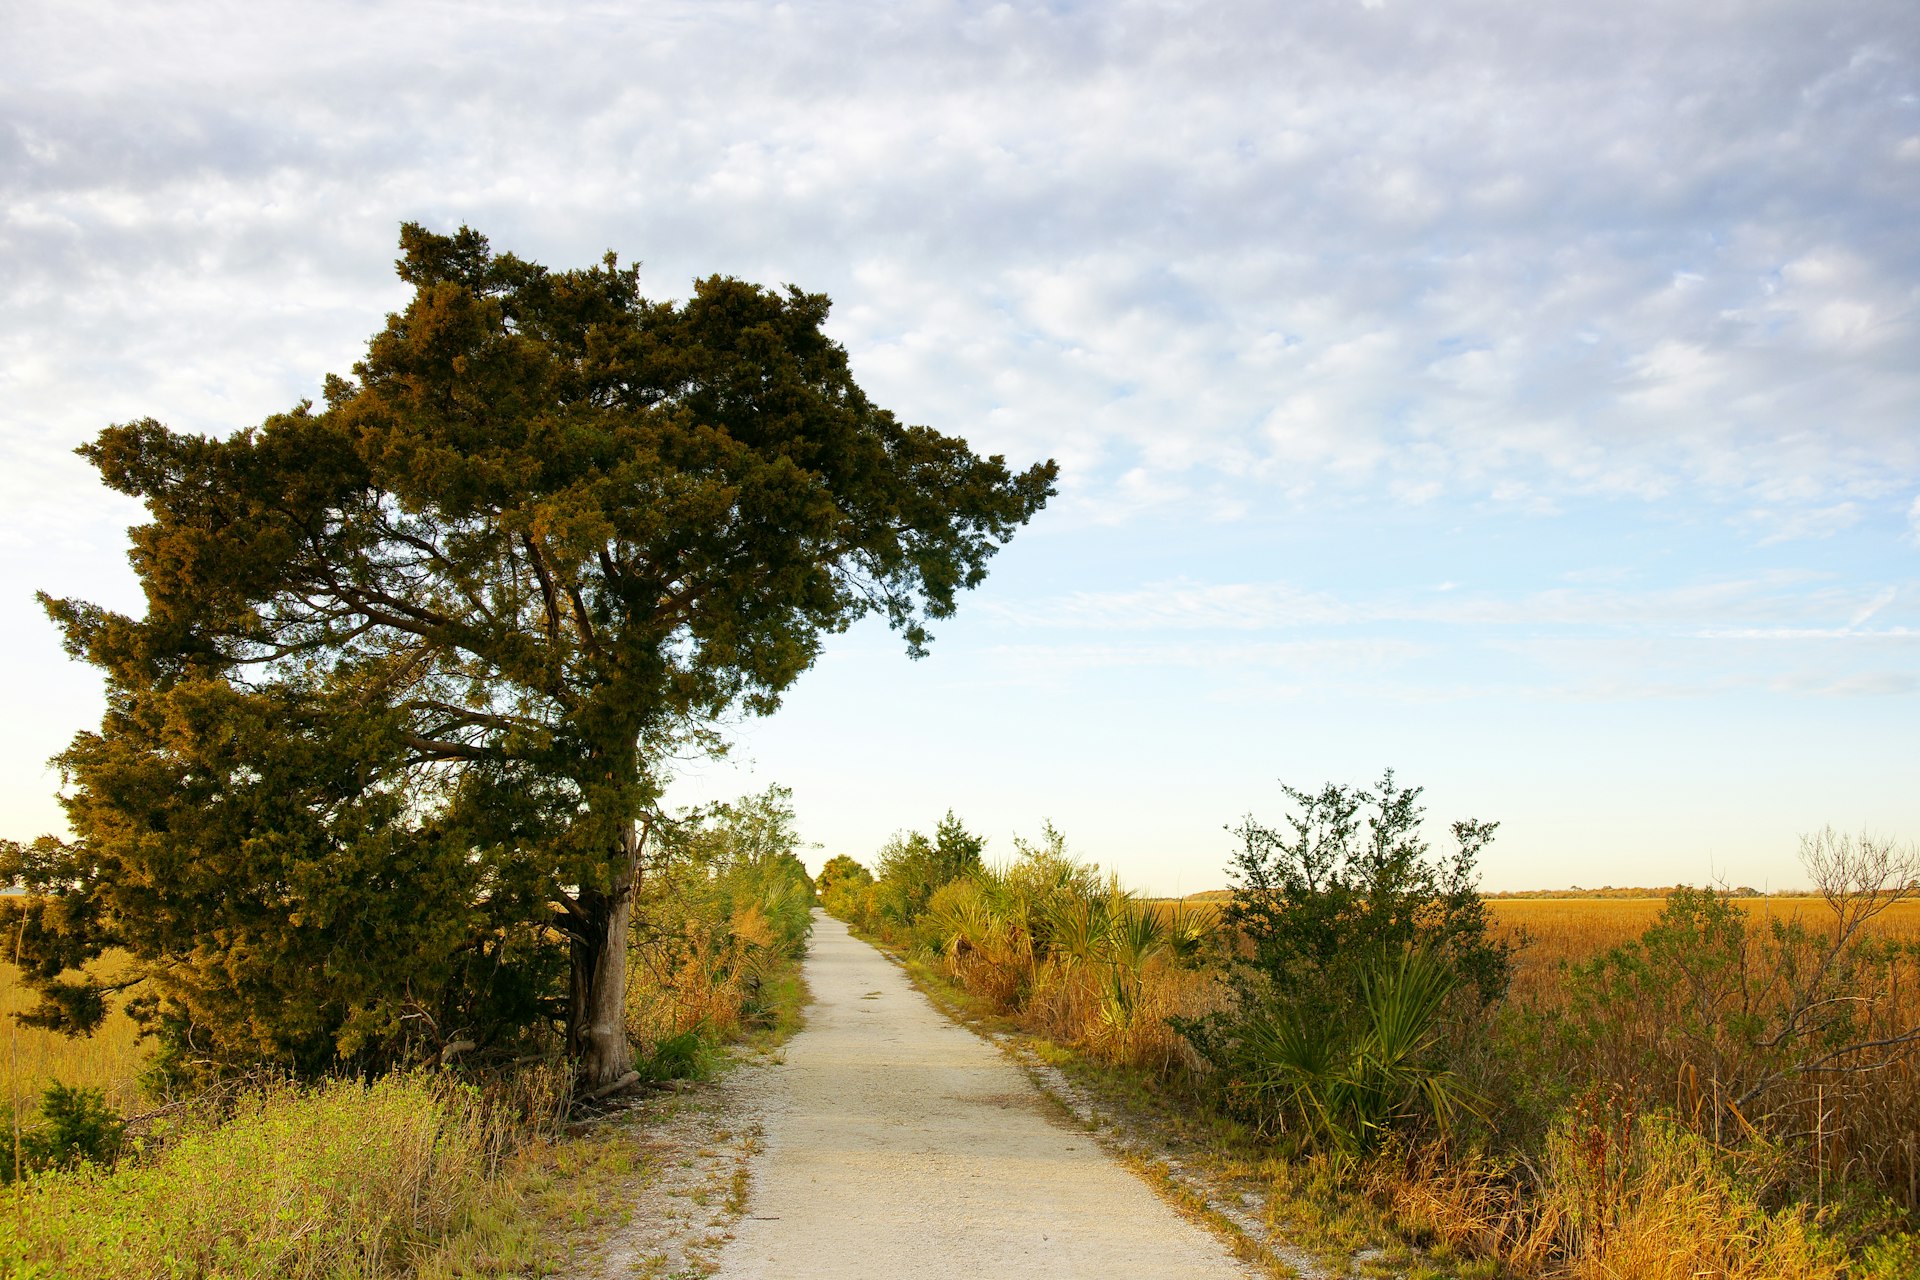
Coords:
pixel 438 749
pixel 547 592
pixel 582 622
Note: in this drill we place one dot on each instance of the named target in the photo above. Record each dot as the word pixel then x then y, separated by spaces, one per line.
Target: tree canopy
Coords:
pixel 412 664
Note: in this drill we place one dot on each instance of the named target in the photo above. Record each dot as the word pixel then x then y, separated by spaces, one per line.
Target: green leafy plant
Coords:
pixel 75 1127
pixel 1352 944
pixel 1355 1083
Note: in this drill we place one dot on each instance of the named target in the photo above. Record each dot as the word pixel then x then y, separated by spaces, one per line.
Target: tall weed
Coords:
pixel 1619 1194
pixel 1659 1201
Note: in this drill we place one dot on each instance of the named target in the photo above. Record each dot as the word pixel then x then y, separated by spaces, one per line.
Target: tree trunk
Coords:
pixel 597 1025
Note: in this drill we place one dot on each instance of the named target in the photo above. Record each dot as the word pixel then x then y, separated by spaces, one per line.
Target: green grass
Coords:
pixel 785 998
pixel 410 1176
pixel 339 1179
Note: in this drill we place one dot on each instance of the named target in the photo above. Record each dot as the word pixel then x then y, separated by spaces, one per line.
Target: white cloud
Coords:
pixel 1800 523
pixel 1811 633
pixel 1878 684
pixel 1605 312
pixel 1442 258
pixel 1781 604
pixel 1447 251
pixel 1886 597
pixel 1182 605
pixel 1301 658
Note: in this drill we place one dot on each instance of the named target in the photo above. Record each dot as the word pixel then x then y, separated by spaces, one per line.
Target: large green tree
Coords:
pixel 413 665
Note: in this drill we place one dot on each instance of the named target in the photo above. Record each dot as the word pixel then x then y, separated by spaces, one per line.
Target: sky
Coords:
pixel 1521 397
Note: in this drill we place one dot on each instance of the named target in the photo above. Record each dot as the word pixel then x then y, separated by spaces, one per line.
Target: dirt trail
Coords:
pixel 899 1145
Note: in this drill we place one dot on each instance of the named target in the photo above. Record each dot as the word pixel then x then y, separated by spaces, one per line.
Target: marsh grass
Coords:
pixel 1558 932
pixel 31 1059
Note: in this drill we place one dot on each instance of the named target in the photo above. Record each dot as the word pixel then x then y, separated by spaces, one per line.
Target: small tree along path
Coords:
pixel 901 1145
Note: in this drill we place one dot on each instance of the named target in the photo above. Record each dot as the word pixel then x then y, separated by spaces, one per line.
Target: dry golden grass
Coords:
pixel 1662 1204
pixel 1080 1006
pixel 1604 922
pixel 1570 930
pixel 31 1059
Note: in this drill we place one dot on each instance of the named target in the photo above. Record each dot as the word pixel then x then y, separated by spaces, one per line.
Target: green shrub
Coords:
pixel 840 884
pixel 76 1127
pixel 913 867
pixel 1326 914
pixel 1354 1082
pixel 1892 1258
pixel 719 922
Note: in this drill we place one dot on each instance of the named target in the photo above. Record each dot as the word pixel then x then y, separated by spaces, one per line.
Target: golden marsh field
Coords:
pixel 1557 930
pixel 31 1059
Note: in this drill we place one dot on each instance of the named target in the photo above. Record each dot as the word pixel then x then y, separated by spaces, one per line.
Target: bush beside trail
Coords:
pixel 723 923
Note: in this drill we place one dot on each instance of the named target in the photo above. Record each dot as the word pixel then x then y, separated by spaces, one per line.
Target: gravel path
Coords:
pixel 899 1145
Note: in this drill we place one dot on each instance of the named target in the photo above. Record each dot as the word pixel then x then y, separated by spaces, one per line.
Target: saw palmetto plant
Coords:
pixel 1354 1083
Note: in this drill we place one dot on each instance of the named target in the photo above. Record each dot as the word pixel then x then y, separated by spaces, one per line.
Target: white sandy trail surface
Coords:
pixel 900 1145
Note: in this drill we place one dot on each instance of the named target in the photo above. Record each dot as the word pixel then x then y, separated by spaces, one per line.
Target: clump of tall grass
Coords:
pixel 342 1178
pixel 1619 1193
pixel 1660 1202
